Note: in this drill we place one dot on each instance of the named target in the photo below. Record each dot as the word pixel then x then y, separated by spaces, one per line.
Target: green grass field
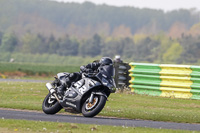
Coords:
pixel 23 126
pixel 21 95
pixel 35 69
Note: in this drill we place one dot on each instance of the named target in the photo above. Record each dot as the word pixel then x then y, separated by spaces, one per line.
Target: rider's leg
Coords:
pixel 73 77
pixel 63 87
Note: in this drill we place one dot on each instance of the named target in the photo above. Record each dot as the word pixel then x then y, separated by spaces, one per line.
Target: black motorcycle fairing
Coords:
pixel 75 94
pixel 108 70
pixel 72 99
pixel 105 75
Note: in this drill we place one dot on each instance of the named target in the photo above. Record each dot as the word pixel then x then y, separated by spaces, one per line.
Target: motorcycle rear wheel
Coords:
pixel 92 109
pixel 50 105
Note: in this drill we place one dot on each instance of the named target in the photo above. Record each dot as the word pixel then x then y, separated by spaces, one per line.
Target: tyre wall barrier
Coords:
pixel 121 75
pixel 176 81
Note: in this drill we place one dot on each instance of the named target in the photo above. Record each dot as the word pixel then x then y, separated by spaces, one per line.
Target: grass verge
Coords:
pixel 27 69
pixel 23 126
pixel 21 95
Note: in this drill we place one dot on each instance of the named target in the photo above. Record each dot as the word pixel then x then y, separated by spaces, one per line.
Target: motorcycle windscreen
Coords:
pixel 109 70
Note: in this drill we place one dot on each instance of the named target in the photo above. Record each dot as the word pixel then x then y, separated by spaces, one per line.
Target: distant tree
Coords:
pixel 195 30
pixel 91 47
pixel 138 37
pixel 97 42
pixel 122 31
pixel 112 48
pixel 9 42
pixel 103 29
pixel 151 28
pixel 41 45
pixel 173 53
pixel 191 49
pixel 68 46
pixel 177 30
pixel 34 44
pixel 146 50
pixel 164 43
pixel 129 48
pixel 27 40
pixel 53 45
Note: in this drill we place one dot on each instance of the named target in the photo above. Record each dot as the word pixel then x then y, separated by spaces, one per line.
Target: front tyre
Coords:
pixel 50 105
pixel 92 109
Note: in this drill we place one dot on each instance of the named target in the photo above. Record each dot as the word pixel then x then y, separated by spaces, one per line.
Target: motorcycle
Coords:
pixel 87 95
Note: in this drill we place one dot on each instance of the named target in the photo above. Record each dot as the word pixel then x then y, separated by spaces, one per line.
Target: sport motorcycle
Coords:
pixel 87 95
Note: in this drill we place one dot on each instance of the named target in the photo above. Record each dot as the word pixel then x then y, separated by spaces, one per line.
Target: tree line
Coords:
pixel 44 28
pixel 84 20
pixel 140 48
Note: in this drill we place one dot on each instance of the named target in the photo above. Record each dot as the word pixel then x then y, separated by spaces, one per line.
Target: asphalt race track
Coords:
pixel 39 116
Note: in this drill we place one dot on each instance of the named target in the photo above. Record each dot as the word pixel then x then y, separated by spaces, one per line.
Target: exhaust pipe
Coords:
pixel 52 91
pixel 50 88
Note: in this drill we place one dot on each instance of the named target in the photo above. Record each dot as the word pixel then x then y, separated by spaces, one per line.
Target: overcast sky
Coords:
pixel 165 5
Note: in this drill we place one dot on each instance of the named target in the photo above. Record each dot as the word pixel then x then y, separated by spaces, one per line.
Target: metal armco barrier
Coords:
pixel 121 75
pixel 176 81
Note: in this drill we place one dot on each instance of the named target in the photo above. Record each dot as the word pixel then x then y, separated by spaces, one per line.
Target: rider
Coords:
pixel 90 68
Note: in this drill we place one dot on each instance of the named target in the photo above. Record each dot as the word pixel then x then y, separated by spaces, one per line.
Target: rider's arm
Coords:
pixel 94 66
pixel 90 67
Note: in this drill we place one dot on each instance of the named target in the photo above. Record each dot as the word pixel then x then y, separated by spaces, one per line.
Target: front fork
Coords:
pixel 91 97
pixel 96 93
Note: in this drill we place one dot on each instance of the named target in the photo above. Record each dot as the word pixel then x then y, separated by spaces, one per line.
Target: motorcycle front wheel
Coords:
pixel 50 105
pixel 92 109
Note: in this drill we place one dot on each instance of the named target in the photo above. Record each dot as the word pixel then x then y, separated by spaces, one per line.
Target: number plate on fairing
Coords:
pixel 85 84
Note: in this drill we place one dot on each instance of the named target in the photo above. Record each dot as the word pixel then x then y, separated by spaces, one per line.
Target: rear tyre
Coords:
pixel 92 109
pixel 50 105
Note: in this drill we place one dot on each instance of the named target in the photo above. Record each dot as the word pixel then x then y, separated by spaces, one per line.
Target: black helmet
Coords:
pixel 106 61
